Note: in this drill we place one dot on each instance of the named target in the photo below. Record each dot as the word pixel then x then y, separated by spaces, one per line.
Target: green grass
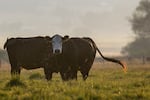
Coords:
pixel 104 83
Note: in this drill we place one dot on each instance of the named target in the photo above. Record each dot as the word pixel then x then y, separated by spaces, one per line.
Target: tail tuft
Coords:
pixel 124 66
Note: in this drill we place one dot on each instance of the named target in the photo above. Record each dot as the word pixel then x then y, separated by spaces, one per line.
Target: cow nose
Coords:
pixel 57 51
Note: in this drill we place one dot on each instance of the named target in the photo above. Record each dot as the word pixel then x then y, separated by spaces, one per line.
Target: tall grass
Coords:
pixel 109 83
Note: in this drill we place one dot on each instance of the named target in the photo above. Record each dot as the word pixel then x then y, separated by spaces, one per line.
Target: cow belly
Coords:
pixel 30 66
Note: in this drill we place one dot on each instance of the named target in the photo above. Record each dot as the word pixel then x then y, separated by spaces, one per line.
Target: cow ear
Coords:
pixel 48 37
pixel 65 38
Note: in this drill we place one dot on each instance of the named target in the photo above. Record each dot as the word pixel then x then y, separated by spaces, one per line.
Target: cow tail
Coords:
pixel 106 58
pixel 113 60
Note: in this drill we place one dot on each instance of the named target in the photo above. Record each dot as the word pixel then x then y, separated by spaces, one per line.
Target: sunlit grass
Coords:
pixel 105 82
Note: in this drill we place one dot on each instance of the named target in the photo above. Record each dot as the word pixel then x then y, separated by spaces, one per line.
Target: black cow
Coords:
pixel 32 53
pixel 79 54
pixel 57 54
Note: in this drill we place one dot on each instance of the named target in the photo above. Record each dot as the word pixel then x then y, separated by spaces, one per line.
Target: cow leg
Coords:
pixel 84 75
pixel 15 69
pixel 84 69
pixel 48 74
pixel 68 74
pixel 64 76
pixel 73 75
pixel 84 72
pixel 64 73
pixel 15 72
pixel 71 72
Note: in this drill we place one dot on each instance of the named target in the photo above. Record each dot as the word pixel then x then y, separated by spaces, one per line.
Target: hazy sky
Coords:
pixel 106 21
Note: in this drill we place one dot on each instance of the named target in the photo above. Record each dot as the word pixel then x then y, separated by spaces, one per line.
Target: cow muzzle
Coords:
pixel 57 51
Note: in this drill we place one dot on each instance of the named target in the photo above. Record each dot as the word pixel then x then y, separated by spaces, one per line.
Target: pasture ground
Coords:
pixel 106 81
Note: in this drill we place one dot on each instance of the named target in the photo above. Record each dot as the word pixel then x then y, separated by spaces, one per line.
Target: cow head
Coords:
pixel 57 42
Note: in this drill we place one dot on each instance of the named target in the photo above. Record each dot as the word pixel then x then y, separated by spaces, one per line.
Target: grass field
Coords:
pixel 106 81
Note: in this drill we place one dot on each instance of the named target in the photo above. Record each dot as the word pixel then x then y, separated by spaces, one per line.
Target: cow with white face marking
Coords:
pixel 57 44
pixel 79 54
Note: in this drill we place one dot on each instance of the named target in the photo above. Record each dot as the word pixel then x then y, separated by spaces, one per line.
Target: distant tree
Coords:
pixel 140 22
